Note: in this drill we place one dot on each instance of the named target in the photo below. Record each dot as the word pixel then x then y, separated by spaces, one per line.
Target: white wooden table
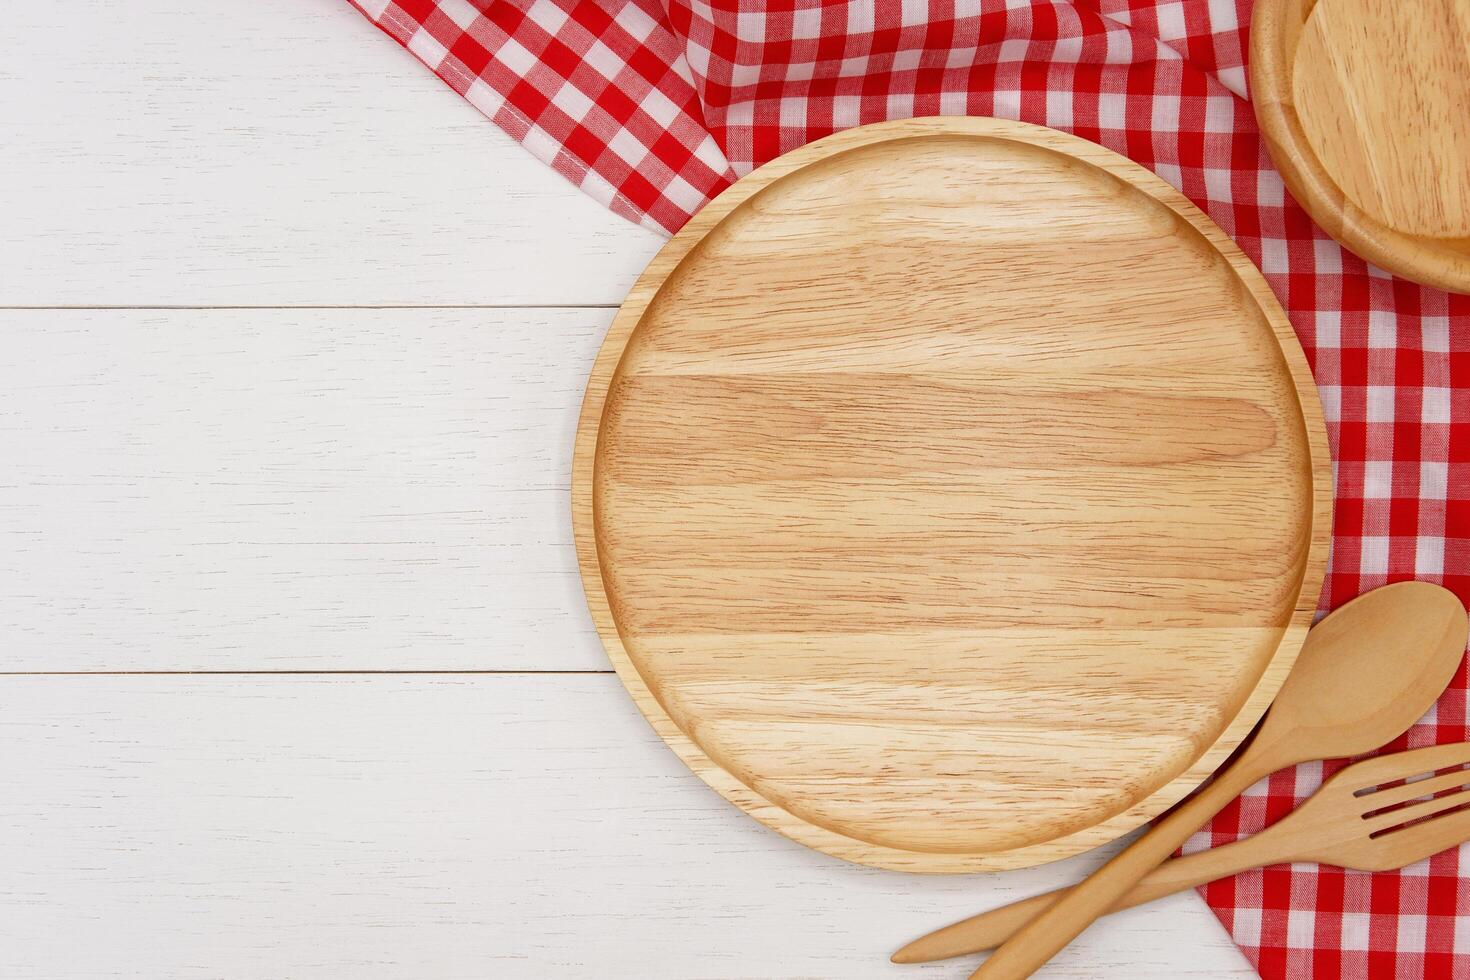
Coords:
pixel 298 678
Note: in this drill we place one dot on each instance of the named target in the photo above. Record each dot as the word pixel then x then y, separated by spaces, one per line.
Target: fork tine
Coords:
pixel 1402 765
pixel 1414 844
pixel 1412 791
pixel 1417 811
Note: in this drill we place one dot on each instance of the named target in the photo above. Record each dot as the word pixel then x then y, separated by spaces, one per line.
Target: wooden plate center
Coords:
pixel 1383 92
pixel 953 494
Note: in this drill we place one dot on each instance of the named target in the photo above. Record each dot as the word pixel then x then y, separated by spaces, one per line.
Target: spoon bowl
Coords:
pixel 1366 673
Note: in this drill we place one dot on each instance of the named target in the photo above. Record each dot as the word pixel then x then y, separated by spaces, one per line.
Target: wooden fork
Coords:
pixel 1374 815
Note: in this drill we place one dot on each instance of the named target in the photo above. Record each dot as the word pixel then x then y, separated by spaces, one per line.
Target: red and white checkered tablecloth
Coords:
pixel 654 106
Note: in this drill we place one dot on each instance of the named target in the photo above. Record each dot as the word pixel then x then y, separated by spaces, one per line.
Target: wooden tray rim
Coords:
pixel 729 786
pixel 1275 32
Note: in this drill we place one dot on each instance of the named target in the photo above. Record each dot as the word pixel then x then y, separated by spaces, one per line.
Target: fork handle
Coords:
pixel 989 929
pixel 1040 938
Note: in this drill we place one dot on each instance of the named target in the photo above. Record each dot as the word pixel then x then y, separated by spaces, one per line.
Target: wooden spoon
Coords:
pixel 1362 818
pixel 1365 674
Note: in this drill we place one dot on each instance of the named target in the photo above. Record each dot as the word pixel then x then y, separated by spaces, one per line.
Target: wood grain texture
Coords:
pixel 349 827
pixel 1365 107
pixel 1383 94
pixel 1367 672
pixel 455 828
pixel 292 489
pixel 1350 822
pixel 952 494
pixel 311 161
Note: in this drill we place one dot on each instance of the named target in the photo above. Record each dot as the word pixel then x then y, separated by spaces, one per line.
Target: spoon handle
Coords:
pixel 1041 938
pixel 989 929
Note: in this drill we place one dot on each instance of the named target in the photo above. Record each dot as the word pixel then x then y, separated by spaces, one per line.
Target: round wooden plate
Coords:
pixel 951 494
pixel 1365 108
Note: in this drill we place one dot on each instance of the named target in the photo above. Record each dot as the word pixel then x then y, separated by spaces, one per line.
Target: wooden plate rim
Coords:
pixel 768 813
pixel 1275 32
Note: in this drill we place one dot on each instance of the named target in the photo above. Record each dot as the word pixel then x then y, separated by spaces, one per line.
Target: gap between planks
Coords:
pixel 326 306
pixel 254 673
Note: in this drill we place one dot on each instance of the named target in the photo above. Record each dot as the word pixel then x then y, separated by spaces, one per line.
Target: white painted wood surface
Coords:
pixel 351 489
pixel 276 152
pixel 266 489
pixel 445 827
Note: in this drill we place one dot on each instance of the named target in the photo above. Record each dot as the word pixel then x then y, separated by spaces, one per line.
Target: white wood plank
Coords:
pixel 269 153
pixel 292 489
pixel 398 826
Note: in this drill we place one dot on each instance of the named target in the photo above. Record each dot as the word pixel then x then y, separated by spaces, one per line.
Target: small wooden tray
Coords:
pixel 1365 108
pixel 951 495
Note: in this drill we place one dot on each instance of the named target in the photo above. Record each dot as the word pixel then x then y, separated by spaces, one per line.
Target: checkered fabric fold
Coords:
pixel 654 107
